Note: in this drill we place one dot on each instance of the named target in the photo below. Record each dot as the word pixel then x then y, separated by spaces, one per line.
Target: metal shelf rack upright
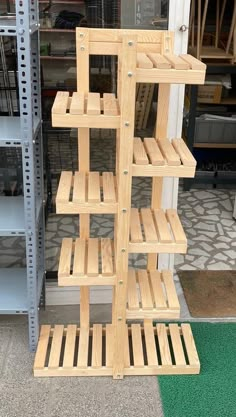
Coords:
pixel 21 289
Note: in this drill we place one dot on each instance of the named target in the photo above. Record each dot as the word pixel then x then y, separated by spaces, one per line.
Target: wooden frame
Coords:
pixel 84 261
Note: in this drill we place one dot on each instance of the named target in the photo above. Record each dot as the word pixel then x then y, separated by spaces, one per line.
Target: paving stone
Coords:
pixel 205 246
pixel 227 204
pixel 220 256
pixel 231 253
pixel 220 229
pixel 198 252
pixel 214 211
pixel 205 226
pixel 66 220
pixel 223 238
pixel 200 262
pixel 221 245
pixel 232 235
pixel 219 266
pixel 199 209
pixel 227 222
pixel 202 238
pixel 203 195
pixel 211 217
pixel 210 205
pixel 187 267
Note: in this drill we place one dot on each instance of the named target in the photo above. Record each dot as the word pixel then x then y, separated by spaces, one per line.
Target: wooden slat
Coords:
pixel 169 153
pixel 92 266
pixel 140 156
pixel 159 61
pixel 109 345
pixel 143 61
pixel 68 358
pixel 110 105
pixel 79 188
pixel 184 153
pixel 65 257
pixel 126 348
pixel 190 345
pixel 148 225
pixel 94 187
pixel 176 62
pixel 170 290
pixel 163 344
pixel 163 231
pixel 132 294
pixel 145 292
pixel 157 290
pixel 93 104
pixel 63 192
pixel 153 152
pixel 135 227
pixel 177 345
pixel 82 361
pixel 150 344
pixel 77 103
pixel 79 258
pixel 56 346
pixel 109 193
pixel 193 62
pixel 97 346
pixel 176 226
pixel 106 254
pixel 116 35
pixel 60 103
pixel 41 353
pixel 137 345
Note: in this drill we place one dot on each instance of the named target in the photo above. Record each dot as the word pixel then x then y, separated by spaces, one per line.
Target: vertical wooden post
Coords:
pixel 127 113
pixel 232 27
pixel 217 23
pixel 199 28
pixel 82 62
pixel 204 21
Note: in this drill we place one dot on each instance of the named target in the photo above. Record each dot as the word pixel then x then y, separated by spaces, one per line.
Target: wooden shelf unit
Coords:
pixel 144 294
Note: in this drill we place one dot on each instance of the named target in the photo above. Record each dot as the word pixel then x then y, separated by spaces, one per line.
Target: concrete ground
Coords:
pixel 22 395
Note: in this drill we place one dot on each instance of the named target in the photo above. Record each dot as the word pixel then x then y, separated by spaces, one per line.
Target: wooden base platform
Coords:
pixel 91 193
pixel 151 350
pixel 210 52
pixel 162 158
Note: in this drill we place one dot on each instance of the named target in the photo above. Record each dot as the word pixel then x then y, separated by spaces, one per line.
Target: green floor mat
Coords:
pixel 213 392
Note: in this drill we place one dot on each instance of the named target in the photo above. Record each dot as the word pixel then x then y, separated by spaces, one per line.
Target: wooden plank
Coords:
pixel 116 35
pixel 65 257
pixel 143 61
pixel 137 345
pixel 83 347
pixel 126 348
pixel 169 153
pixel 177 344
pixel 176 226
pixel 154 152
pixel 145 291
pixel 79 188
pixel 106 255
pixel 172 298
pixel 163 344
pixel 190 345
pixel 63 191
pixel 183 151
pixel 157 290
pixel 94 187
pixel 194 63
pixel 159 61
pixel 176 62
pixel 140 156
pixel 79 258
pixel 135 226
pixel 148 225
pixel 68 358
pixel 148 105
pixel 109 345
pixel 97 346
pixel 40 357
pixel 56 347
pixel 150 344
pixel 163 231
pixel 109 193
pixel 77 103
pixel 110 105
pixel 92 266
pixel 93 103
pixel 172 76
pixel 60 103
pixel 132 293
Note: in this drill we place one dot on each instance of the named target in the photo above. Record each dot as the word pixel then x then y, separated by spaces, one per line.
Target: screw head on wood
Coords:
pixel 130 74
pixel 130 43
pixel 124 210
pixel 125 172
pixel 121 282
pixel 119 318
pixel 126 124
pixel 82 48
pixel 123 250
pixel 81 35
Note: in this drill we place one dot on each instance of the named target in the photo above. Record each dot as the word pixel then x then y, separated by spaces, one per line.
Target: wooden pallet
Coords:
pixel 86 193
pixel 153 231
pixel 151 350
pixel 153 157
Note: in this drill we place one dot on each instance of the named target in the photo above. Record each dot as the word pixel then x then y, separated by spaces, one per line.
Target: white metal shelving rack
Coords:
pixel 21 288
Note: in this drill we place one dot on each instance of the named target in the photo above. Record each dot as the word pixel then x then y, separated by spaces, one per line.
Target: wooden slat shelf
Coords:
pixel 86 193
pixel 161 157
pixel 86 262
pixel 70 351
pixel 85 110
pixel 156 231
pixel 151 295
